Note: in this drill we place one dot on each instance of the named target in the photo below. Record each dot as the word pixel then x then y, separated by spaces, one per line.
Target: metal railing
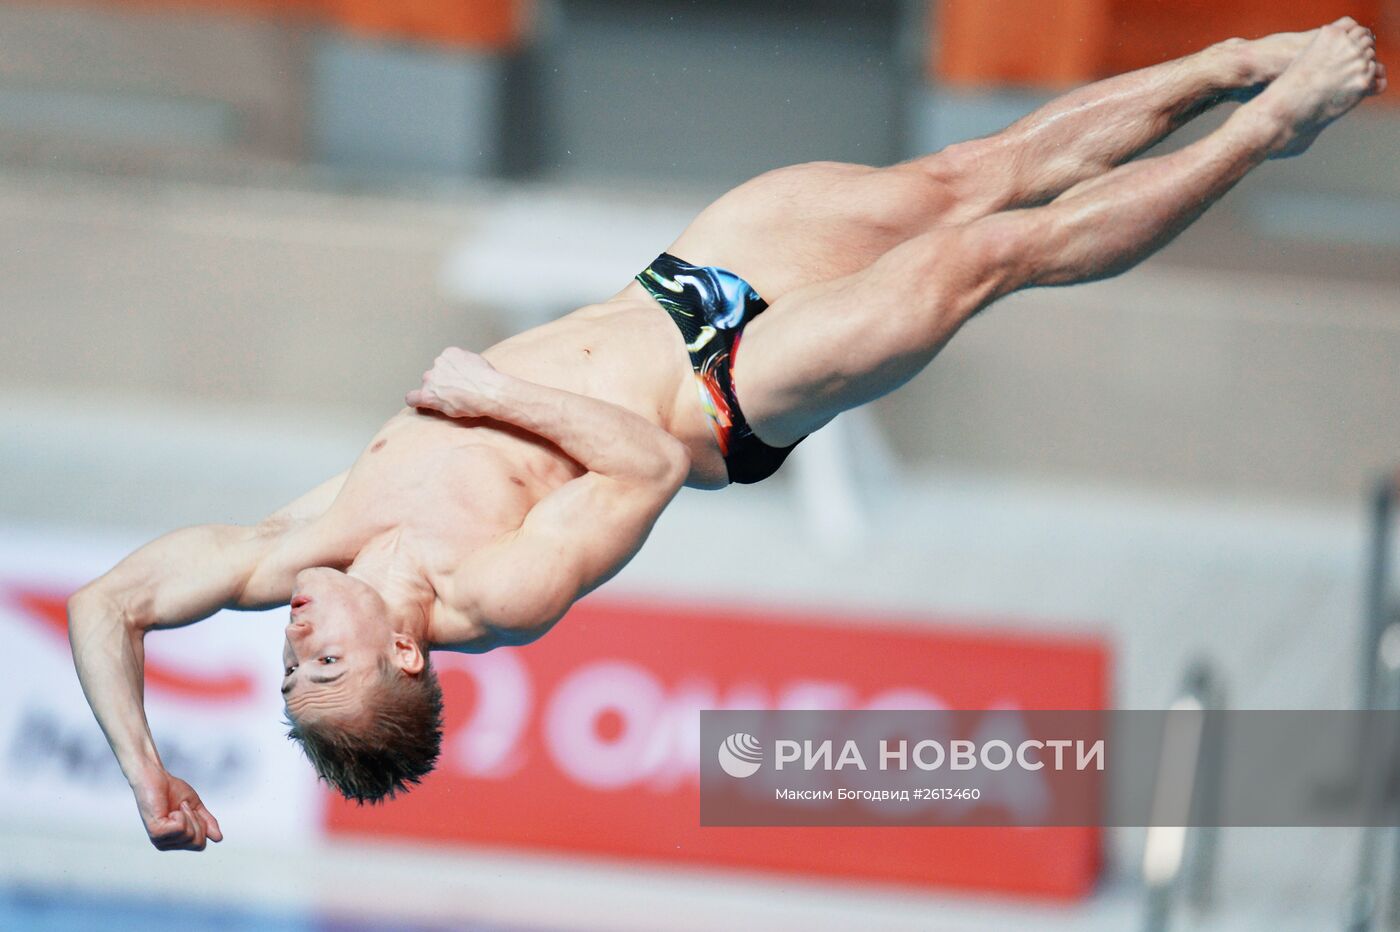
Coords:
pixel 1380 610
pixel 1178 860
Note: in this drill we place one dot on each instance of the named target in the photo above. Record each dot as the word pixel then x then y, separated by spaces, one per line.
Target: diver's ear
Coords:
pixel 408 655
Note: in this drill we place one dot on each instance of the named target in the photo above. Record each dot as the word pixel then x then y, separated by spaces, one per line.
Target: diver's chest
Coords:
pixel 433 482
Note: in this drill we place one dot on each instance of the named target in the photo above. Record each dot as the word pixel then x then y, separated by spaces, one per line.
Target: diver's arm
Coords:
pixel 603 437
pixel 178 579
pixel 575 538
pixel 110 659
pixel 571 542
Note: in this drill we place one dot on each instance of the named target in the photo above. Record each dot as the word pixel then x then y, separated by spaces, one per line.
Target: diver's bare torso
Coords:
pixel 453 486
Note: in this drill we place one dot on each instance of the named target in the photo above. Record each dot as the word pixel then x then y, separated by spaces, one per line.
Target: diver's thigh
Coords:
pixel 811 223
pixel 825 348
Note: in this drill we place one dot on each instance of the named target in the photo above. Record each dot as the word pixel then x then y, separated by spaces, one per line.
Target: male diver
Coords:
pixel 515 481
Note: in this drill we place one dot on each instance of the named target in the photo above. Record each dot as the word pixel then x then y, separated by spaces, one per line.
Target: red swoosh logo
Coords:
pixel 51 610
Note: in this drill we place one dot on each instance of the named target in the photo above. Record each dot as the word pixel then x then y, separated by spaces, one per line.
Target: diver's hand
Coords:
pixel 460 384
pixel 175 816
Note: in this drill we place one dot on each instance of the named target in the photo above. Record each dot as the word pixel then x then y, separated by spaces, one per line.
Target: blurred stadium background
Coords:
pixel 235 232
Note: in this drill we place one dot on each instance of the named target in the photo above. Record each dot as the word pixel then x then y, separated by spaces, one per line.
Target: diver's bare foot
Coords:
pixel 1252 63
pixel 1330 76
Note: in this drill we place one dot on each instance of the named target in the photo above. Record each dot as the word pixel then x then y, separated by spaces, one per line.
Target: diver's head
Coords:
pixel 362 700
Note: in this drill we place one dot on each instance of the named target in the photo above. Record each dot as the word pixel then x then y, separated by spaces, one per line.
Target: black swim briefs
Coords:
pixel 711 307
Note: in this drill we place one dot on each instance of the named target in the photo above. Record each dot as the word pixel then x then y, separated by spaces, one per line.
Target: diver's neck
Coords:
pixel 390 564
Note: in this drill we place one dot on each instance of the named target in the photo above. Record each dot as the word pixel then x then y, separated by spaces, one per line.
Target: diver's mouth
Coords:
pixel 298 601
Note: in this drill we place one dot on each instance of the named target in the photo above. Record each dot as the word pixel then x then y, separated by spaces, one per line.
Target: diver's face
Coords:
pixel 338 634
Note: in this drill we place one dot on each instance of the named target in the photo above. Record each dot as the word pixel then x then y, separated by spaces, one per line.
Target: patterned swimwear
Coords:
pixel 711 307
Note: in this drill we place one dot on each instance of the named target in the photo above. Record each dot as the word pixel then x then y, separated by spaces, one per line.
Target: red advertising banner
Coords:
pixel 588 741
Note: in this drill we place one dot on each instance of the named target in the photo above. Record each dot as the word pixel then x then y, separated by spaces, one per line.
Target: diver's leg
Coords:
pixel 825 348
pixel 1092 129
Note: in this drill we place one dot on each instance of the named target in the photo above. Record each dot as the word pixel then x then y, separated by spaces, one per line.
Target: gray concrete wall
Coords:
pixel 86 75
pixel 222 294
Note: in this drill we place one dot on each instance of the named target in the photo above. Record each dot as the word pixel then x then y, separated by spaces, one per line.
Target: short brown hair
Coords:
pixel 398 746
